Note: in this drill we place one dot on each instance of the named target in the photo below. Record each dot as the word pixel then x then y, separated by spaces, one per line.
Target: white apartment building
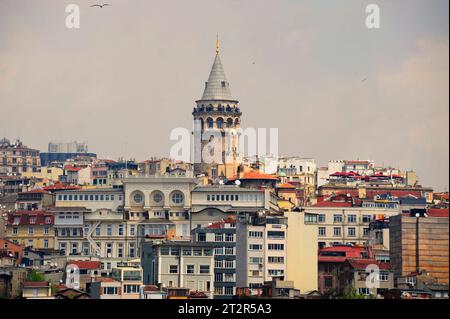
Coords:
pixel 346 225
pixel 261 247
pixel 214 203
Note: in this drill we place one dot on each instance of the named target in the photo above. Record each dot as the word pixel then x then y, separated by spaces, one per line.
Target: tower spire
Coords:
pixel 217 44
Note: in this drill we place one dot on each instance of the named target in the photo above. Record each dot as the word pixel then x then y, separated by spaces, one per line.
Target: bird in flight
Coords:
pixel 100 5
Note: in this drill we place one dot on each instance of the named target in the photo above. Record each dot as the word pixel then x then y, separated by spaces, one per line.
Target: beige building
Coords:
pixel 131 280
pixel 301 267
pixel 179 264
pixel 17 158
pixel 49 173
pixel 346 225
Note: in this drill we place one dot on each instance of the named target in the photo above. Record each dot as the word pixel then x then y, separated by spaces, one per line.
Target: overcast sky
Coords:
pixel 131 73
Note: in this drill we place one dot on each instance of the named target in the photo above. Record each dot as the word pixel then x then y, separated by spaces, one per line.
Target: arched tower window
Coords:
pixel 219 122
pixel 210 122
pixel 229 122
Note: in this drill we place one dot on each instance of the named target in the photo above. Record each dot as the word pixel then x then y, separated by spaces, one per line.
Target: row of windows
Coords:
pixel 217 197
pixel 85 197
pixel 31 230
pixel 229 251
pixel 190 269
pixel 229 264
pixel 186 251
pixel 337 231
pixel 338 218
pixel 177 197
pixel 85 249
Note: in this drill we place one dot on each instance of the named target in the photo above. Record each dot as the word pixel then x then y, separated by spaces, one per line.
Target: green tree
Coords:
pixel 35 276
pixel 351 293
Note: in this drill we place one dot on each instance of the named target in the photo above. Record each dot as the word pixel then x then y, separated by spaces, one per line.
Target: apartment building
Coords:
pixel 216 202
pixel 179 264
pixel 131 281
pixel 16 158
pixel 222 235
pixel 261 250
pixel 345 225
pixel 31 229
pixel 419 244
pixel 37 199
pixel 301 263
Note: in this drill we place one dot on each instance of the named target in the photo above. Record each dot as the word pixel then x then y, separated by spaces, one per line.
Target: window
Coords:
pixel 255 260
pixel 157 198
pixel 218 277
pixel 109 249
pixel 366 218
pixel 45 243
pixel 138 198
pixel 276 272
pixel 337 218
pixel 254 247
pixel 120 250
pixel 321 218
pixel 204 269
pixel 365 232
pixel 351 218
pixel 337 231
pixel 328 282
pixel 173 269
pixel 121 230
pixel 383 276
pixel 229 291
pixel 190 269
pixel 276 260
pixel 229 264
pixel 218 251
pixel 110 290
pixel 48 220
pixel 97 231
pixel 85 248
pixel 74 249
pixel 177 198
pixel 351 231
pixel 255 234
pixel 201 237
pixel 276 246
pixel 132 230
pixel 364 291
pixel 229 251
pixel 322 231
pixel 131 250
pixel 32 220
pixel 109 230
pixel 219 237
pixel 30 230
pixel 275 234
pixel 131 289
pixel 15 231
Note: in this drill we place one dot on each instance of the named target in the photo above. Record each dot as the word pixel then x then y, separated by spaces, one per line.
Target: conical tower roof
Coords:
pixel 217 87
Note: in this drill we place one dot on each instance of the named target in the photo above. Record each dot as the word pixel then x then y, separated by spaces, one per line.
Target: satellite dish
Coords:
pixel 237 182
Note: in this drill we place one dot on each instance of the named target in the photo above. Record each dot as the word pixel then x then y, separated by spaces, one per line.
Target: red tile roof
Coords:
pixel 218 225
pixel 286 185
pixel 85 264
pixel 60 186
pixel 364 263
pixel 253 175
pixel 437 212
pixel 24 217
pixel 36 191
pixel 36 284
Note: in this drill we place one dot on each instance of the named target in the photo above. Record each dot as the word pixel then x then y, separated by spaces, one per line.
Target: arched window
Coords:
pixel 229 122
pixel 219 122
pixel 210 122
pixel 177 197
